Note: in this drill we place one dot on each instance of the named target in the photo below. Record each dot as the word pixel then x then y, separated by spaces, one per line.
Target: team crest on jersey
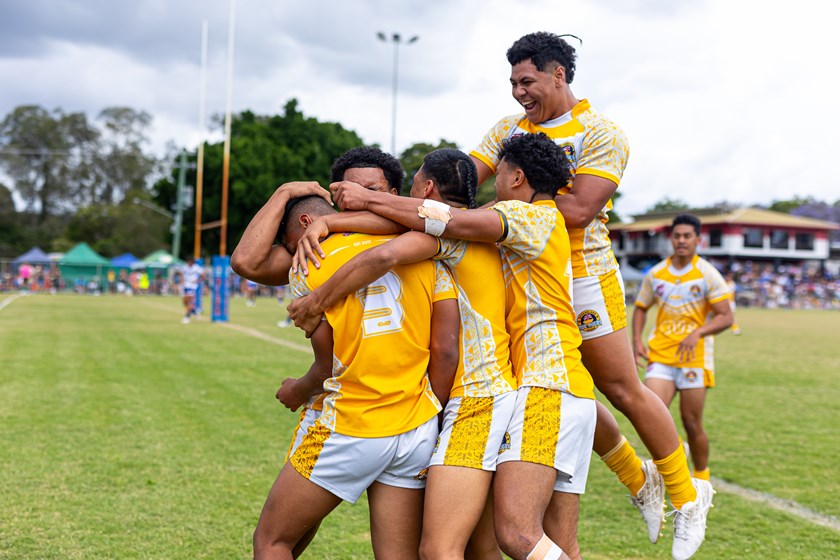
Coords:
pixel 589 320
pixel 505 443
pixel 691 375
pixel 437 444
pixel 660 289
pixel 422 474
pixel 569 152
pixel 695 291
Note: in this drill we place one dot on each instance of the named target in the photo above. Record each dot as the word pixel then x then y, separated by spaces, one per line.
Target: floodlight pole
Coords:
pixel 396 39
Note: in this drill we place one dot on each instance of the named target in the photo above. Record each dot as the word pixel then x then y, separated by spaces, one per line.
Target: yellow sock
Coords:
pixel 702 475
pixel 623 461
pixel 674 471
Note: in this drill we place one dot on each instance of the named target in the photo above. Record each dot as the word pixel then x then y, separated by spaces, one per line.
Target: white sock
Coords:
pixel 545 550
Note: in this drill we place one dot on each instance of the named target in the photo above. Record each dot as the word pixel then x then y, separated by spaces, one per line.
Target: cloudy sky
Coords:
pixel 721 99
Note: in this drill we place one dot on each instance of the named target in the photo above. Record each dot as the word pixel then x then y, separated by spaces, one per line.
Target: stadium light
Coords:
pixel 397 40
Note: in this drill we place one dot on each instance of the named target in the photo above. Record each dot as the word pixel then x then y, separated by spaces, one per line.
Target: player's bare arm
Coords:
pixel 309 245
pixel 589 194
pixel 721 321
pixel 444 347
pixel 469 225
pixel 640 351
pixel 256 257
pixel 358 272
pixel 294 392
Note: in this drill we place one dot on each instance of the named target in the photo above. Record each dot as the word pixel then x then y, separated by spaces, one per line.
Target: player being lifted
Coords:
pixel 542 67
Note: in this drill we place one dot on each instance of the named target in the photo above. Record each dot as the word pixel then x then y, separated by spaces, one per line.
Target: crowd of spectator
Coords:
pixel 785 286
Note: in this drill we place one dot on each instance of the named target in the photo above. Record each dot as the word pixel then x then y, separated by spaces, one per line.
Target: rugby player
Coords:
pixel 542 67
pixel 693 301
pixel 192 276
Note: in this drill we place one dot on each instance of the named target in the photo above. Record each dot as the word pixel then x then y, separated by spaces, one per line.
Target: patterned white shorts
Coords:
pixel 474 429
pixel 554 429
pixel 308 416
pixel 682 378
pixel 346 465
pixel 599 304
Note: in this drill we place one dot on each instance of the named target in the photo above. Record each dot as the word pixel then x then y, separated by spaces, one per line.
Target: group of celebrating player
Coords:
pixel 457 348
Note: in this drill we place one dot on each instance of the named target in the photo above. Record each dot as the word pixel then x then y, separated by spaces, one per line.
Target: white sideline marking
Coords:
pixel 267 338
pixel 8 300
pixel 245 330
pixel 769 500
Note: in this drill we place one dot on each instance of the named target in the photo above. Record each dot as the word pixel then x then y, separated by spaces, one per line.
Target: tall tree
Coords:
pixel 121 164
pixel 266 151
pixel 44 153
pixel 668 205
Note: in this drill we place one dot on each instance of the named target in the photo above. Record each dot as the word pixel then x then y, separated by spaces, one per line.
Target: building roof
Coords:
pixel 739 216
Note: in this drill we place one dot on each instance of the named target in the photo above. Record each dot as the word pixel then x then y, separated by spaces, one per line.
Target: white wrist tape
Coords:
pixel 435 215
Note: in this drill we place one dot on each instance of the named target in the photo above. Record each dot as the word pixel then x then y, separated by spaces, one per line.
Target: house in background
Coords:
pixel 743 234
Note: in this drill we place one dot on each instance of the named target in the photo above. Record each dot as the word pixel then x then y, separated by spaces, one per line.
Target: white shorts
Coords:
pixel 189 292
pixel 308 417
pixel 554 429
pixel 346 465
pixel 599 304
pixel 474 429
pixel 682 378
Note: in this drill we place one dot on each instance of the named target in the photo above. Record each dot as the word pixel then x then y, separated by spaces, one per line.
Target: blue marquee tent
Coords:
pixel 34 256
pixel 123 262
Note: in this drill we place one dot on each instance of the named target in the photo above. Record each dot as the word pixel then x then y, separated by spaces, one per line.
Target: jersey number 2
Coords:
pixel 383 312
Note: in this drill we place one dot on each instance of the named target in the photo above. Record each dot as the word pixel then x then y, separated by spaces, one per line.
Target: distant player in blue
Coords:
pixel 192 276
pixel 251 289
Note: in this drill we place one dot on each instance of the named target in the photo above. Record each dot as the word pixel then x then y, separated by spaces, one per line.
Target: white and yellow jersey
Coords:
pixel 685 299
pixel 536 260
pixel 381 337
pixel 484 369
pixel 594 146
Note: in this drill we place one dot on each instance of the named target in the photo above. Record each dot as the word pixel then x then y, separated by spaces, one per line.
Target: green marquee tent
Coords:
pixel 82 262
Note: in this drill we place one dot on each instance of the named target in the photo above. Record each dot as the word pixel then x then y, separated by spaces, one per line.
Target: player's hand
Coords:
pixel 685 351
pixel 297 189
pixel 640 352
pixel 289 394
pixel 309 246
pixel 350 196
pixel 306 314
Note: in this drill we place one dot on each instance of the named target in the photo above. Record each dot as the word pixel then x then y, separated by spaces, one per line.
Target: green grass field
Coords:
pixel 128 435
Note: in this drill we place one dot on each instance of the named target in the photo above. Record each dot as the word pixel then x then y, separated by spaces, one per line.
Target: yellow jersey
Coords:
pixel 381 336
pixel 685 299
pixel 544 337
pixel 484 368
pixel 594 146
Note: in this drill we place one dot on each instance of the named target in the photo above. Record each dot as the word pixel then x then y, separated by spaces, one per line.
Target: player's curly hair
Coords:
pixel 369 157
pixel 543 49
pixel 543 162
pixel 687 219
pixel 455 175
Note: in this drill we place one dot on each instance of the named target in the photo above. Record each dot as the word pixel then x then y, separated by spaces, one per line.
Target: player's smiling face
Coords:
pixel 536 91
